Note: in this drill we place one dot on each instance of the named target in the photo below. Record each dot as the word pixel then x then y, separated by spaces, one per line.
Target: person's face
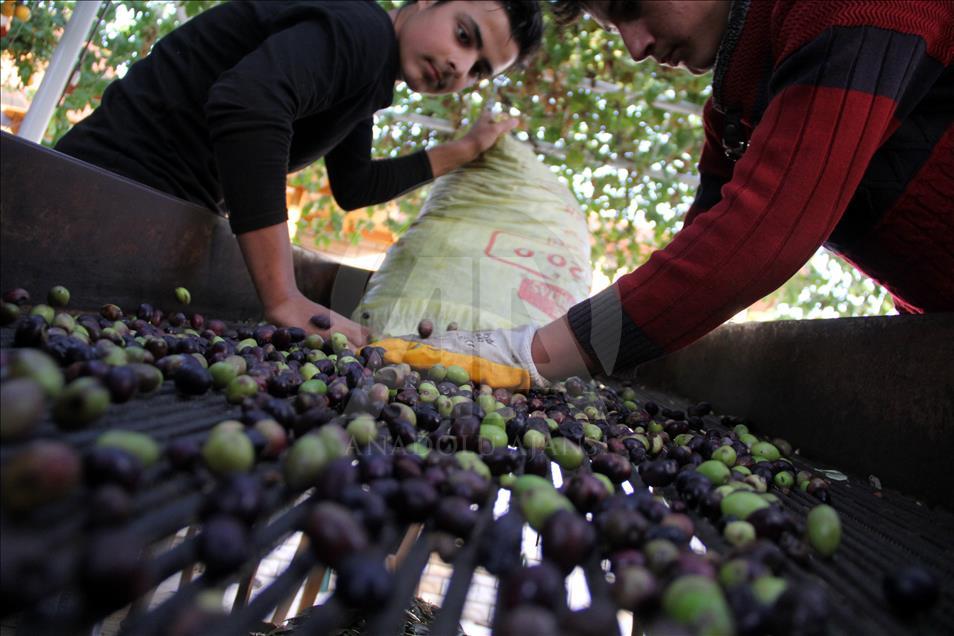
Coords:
pixel 673 32
pixel 447 47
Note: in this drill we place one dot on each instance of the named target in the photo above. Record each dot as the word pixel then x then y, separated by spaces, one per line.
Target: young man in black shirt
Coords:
pixel 228 104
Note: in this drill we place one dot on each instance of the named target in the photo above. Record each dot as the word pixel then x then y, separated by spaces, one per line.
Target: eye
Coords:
pixel 462 35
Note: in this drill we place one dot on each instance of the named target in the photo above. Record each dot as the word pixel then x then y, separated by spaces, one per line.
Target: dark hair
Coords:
pixel 526 25
pixel 566 12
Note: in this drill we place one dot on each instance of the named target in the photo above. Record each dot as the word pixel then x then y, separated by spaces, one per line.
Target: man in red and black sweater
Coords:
pixel 830 123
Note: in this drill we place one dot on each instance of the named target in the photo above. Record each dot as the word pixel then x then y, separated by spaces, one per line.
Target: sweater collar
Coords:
pixel 737 13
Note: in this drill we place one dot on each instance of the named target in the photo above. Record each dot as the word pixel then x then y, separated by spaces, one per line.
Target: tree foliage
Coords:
pixel 618 133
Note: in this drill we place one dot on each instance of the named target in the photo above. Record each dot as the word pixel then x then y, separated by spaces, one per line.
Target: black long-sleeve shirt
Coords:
pixel 228 104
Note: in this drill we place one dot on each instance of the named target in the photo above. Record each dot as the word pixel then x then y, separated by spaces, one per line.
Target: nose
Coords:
pixel 458 70
pixel 638 40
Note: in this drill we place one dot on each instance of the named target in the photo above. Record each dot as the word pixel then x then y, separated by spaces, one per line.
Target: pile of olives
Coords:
pixel 381 445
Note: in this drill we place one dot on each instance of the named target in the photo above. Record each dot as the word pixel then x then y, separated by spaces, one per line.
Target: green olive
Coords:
pixel 494 419
pixel 725 454
pixel 741 504
pixel 313 385
pixel 363 429
pixel 565 453
pixel 784 479
pixel 824 529
pixel 457 374
pixel 768 588
pixel 493 434
pixel 80 403
pixel 138 444
pixel 437 373
pixel 739 533
pixel 698 601
pixel 469 460
pixel 222 373
pixel 534 439
pixel 537 506
pixel 228 451
pixel 592 431
pixel 715 471
pixel 44 311
pixel 304 462
pixel 240 388
pixel 766 450
pixel 183 295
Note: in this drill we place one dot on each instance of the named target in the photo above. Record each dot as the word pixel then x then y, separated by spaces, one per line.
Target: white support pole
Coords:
pixel 58 72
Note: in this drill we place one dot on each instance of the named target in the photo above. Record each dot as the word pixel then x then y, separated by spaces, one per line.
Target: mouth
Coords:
pixel 433 75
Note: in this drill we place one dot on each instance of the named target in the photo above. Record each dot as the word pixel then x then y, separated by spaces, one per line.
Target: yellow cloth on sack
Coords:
pixel 424 356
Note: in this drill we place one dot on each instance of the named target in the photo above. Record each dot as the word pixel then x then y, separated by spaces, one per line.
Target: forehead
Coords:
pixel 489 16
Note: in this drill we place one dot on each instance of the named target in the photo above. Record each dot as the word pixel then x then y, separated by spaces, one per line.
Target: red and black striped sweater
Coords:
pixel 830 123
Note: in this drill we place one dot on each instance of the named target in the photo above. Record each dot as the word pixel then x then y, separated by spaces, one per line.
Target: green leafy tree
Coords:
pixel 624 137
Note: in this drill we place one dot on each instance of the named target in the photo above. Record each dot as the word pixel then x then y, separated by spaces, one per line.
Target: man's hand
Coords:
pixel 486 130
pixel 297 311
pixel 500 358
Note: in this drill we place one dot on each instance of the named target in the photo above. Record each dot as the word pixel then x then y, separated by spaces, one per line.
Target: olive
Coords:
pixel 457 374
pixel 31 331
pixel 766 450
pixel 183 453
pixel 58 296
pixel 568 539
pixel 622 527
pixel 17 296
pixel 122 383
pixel 660 472
pixel 741 504
pixel 616 467
pixel 109 505
pixel 142 446
pixel 228 450
pixel 455 515
pixel 223 545
pixel 739 533
pixel 276 439
pixel 417 499
pixel 784 479
pixel 697 601
pixel 363 581
pixel 112 465
pixel 824 529
pixel 540 585
pixel 110 312
pixel 635 587
pixel 240 388
pixel 22 406
pixel 9 312
pixel 222 374
pixel 585 491
pixel 911 589
pixel 322 321
pixel 714 470
pixel 183 296
pixel 425 328
pixel 42 472
pixel 38 366
pixel 800 609
pixel 44 311
pixel 565 453
pixel 112 570
pixel 238 495
pixel 537 463
pixel 770 522
pixel 80 403
pixel 303 464
pixel 335 533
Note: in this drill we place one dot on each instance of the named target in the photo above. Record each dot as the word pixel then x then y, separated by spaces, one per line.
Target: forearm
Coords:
pixel 557 354
pixel 268 256
pixel 451 155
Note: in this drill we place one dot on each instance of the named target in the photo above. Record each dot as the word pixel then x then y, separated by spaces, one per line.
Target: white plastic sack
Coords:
pixel 499 243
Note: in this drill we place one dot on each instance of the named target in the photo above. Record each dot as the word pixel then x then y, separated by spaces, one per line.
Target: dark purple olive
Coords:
pixel 368 507
pixel 223 545
pixel 468 485
pixel 192 379
pixel 335 533
pixel 238 495
pixel 622 527
pixel 425 328
pixel 911 589
pixel 417 499
pixel 464 429
pixel 537 463
pixel 635 587
pixel 530 619
pixel 109 505
pixel 502 460
pixel 801 609
pixel 109 465
pixel 377 466
pixel 322 321
pixel 498 550
pixel 540 584
pixel 364 582
pixel 651 407
pixel 568 539
pixel 585 491
pixel 749 614
pixel 111 312
pixel 183 454
pixel 113 571
pixel 455 515
pixel 30 332
pixel 122 383
pixel 17 296
pixel 770 522
pixel 616 467
pixel 284 384
pixel 660 472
